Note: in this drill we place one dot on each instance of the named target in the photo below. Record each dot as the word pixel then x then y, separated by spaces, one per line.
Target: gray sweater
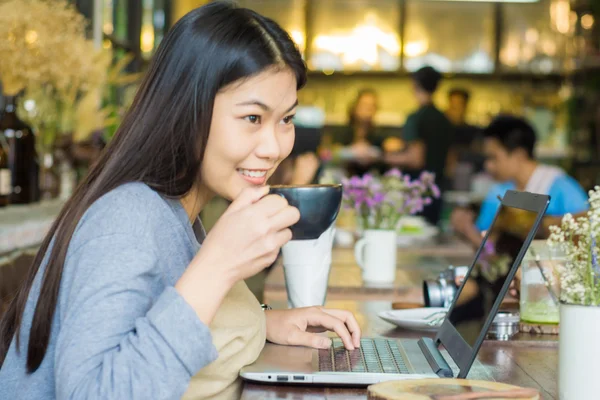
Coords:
pixel 120 330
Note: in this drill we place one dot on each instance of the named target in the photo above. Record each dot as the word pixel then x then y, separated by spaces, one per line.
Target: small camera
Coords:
pixel 441 292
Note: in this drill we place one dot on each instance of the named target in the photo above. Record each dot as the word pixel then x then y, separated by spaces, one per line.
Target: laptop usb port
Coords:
pixel 298 378
pixel 282 378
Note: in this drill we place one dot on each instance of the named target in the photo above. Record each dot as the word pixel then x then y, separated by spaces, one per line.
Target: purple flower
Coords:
pixel 355 191
pixel 427 177
pixel 355 181
pixel 379 197
pixel 435 190
pixel 416 205
pixel 376 200
pixel 395 173
pixel 359 201
pixel 489 249
pixel 367 179
pixel 393 193
pixel 376 186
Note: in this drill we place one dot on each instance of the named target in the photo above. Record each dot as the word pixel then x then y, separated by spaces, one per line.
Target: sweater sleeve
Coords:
pixel 117 340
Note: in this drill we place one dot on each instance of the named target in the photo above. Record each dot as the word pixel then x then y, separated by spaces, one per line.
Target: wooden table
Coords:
pixel 527 360
pixel 414 264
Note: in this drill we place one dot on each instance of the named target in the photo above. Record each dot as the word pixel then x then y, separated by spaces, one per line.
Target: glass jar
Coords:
pixel 537 304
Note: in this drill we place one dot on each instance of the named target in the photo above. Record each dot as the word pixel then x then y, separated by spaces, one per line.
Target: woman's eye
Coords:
pixel 253 119
pixel 288 120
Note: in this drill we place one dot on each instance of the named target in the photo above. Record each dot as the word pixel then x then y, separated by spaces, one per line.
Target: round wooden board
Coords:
pixel 539 329
pixel 448 389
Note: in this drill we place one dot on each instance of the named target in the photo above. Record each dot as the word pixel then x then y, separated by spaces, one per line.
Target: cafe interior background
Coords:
pixel 536 59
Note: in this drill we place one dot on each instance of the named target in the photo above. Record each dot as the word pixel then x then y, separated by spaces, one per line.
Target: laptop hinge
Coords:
pixel 435 359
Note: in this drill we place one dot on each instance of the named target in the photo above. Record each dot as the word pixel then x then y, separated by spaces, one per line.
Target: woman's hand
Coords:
pixel 244 241
pixel 364 153
pixel 515 286
pixel 462 220
pixel 299 327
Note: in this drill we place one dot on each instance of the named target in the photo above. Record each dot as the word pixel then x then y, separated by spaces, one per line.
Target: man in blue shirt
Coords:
pixel 509 144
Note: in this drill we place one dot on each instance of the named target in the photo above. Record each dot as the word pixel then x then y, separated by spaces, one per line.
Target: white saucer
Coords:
pixel 405 239
pixel 416 318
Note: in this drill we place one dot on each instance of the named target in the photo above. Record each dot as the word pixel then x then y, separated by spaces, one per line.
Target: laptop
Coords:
pixel 461 334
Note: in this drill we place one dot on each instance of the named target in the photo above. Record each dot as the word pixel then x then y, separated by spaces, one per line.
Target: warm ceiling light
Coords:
pixel 494 1
pixel 587 21
pixel 147 39
pixel 361 44
pixel 31 37
pixel 416 48
pixel 298 38
pixel 108 28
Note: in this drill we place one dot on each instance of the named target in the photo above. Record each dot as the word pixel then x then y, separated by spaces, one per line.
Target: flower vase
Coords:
pixel 375 254
pixel 49 175
pixel 579 349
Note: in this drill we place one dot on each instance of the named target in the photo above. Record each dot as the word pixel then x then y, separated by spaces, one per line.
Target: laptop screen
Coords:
pixel 491 268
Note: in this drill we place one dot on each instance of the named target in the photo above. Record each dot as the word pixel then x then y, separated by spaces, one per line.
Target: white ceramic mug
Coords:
pixel 306 266
pixel 375 254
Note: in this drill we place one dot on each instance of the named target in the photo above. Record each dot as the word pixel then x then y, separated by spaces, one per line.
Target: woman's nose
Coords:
pixel 269 145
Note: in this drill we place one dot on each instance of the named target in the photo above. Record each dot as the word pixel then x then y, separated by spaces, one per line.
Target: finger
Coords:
pixel 247 197
pixel 273 243
pixel 348 318
pixel 301 338
pixel 320 318
pixel 267 255
pixel 265 261
pixel 282 237
pixel 270 205
pixel 284 218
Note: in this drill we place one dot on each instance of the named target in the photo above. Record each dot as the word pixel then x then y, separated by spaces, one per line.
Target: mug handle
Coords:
pixel 359 252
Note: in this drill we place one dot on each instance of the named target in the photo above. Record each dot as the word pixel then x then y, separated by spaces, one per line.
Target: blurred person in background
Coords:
pixel 509 144
pixel 302 169
pixel 359 144
pixel 466 153
pixel 467 146
pixel 458 104
pixel 429 134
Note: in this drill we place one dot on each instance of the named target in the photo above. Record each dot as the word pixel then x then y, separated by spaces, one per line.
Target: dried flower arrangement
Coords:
pixel 577 237
pixel 56 68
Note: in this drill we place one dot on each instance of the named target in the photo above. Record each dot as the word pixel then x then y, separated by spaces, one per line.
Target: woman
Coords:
pixel 120 298
pixel 359 140
pixel 361 144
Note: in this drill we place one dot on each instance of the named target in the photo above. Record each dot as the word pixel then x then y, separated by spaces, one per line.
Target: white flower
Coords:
pixel 580 282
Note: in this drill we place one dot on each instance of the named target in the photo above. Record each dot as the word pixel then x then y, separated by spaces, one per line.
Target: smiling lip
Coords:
pixel 254 176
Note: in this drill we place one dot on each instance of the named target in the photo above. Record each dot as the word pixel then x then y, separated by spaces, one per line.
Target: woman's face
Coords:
pixel 251 132
pixel 366 107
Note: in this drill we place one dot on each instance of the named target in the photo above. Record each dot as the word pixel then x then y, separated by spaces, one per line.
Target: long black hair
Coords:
pixel 162 139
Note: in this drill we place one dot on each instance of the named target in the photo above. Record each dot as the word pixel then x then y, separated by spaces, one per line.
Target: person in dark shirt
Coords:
pixel 467 145
pixel 429 134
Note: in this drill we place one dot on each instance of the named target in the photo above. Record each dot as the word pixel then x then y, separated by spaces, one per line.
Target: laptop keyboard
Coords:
pixel 374 356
